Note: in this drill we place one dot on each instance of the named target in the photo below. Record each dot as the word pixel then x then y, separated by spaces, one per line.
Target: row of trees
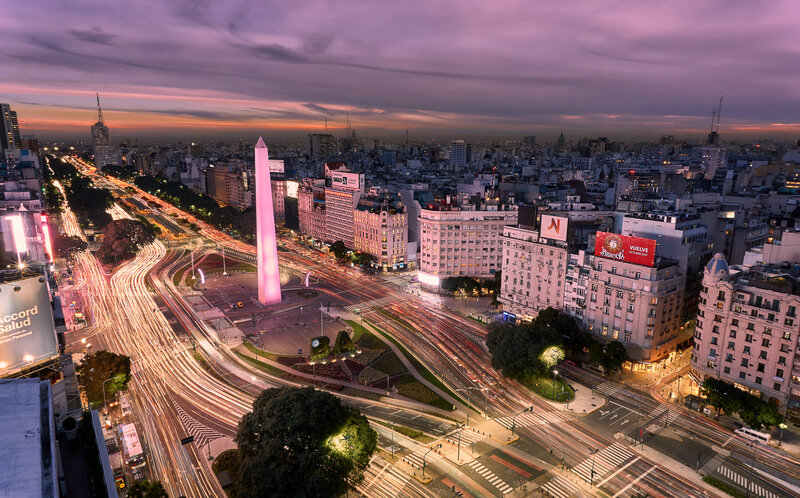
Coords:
pixel 226 218
pixel 729 399
pixel 533 349
pixel 343 255
pixel 88 202
pixel 471 286
pixel 123 238
pixel 298 442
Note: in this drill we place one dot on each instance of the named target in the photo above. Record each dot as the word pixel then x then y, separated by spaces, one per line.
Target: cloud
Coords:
pixel 92 35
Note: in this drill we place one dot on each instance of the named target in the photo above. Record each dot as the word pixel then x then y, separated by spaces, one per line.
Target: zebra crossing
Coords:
pixel 559 487
pixel 382 479
pixel 491 477
pixel 602 462
pixel 608 388
pixel 745 483
pixel 202 434
pixel 365 306
pixel 671 416
pixel 416 459
pixel 467 436
pixel 532 419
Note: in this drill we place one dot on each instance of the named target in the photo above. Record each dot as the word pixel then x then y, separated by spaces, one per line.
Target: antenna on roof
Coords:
pixel 713 115
pixel 99 111
pixel 326 125
pixel 719 111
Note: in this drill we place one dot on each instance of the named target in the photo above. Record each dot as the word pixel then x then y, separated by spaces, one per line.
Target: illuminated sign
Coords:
pixel 46 234
pixel 27 333
pixel 625 248
pixel 346 180
pixel 276 166
pixel 18 230
pixel 428 279
pixel 292 186
pixel 553 227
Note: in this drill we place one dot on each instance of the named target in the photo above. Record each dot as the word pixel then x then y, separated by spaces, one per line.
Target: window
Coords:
pixel 779 373
pixel 746 350
pixel 732 333
pixel 782 360
pixel 763 355
pixel 776 386
pixel 787 336
pixel 758 380
pixel 768 330
pixel 735 322
pixel 714 341
pixel 748 338
pixel 742 375
pixel 727 370
pixel 715 329
pixel 765 342
pixel 744 362
pixel 790 311
pixel 788 322
pixel 721 296
pixel 710 364
pixel 760 368
pixel 731 345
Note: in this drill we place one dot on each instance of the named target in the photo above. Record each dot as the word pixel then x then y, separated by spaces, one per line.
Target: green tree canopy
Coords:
pixel 98 367
pixel 122 238
pixel 339 250
pixel 300 442
pixel 610 356
pixel 63 245
pixel 147 489
pixel 517 350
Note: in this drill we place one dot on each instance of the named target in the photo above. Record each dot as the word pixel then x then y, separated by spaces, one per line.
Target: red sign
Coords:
pixel 625 248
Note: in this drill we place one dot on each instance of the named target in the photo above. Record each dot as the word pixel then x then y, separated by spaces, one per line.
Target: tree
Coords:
pixel 339 250
pixel 96 368
pixel 610 356
pixel 519 351
pixel 300 442
pixel 147 489
pixel 122 238
pixel 63 245
pixel 362 258
pixel 757 413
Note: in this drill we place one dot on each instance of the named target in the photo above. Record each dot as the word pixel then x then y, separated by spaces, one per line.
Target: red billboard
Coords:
pixel 625 248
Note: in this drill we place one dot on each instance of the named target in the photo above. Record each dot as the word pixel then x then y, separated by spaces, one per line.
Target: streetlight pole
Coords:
pixel 424 464
pixel 555 372
pixel 392 440
pixel 104 389
pixel 514 420
pixel 752 464
pixel 592 474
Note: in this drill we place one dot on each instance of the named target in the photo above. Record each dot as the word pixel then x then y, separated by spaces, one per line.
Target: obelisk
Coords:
pixel 269 279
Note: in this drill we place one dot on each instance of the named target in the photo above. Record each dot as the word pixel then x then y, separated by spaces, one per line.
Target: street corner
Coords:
pixel 494 430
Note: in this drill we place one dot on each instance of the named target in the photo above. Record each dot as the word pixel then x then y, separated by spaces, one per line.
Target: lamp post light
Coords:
pixel 752 464
pixel 514 420
pixel 555 372
pixel 593 452
pixel 424 464
pixel 104 389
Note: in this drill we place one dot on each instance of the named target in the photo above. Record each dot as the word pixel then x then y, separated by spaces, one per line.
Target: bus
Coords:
pixel 131 447
pixel 753 434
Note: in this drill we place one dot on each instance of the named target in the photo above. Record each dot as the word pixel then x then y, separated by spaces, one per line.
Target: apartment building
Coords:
pixel 534 268
pixel 381 229
pixel 341 199
pixel 229 183
pixel 576 285
pixel 748 329
pixel 311 208
pixel 462 240
pixel 634 297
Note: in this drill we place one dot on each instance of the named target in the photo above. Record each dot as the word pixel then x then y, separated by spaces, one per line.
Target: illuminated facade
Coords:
pixel 269 281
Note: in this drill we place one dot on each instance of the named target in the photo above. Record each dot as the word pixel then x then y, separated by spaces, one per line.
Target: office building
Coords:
pixel 460 153
pixel 9 129
pixel 321 147
pixel 229 183
pixel 341 199
pixel 748 329
pixel 104 152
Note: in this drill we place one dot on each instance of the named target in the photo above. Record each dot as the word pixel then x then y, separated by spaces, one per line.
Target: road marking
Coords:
pixel 728 441
pixel 626 488
pixel 560 487
pixel 745 483
pixel 618 471
pixel 522 472
pixel 491 477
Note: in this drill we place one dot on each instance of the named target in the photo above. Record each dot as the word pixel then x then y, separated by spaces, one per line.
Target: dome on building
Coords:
pixel 717 264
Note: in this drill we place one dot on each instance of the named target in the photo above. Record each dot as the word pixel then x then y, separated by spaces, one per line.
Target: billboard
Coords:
pixel 276 166
pixel 292 186
pixel 27 333
pixel 553 227
pixel 346 180
pixel 625 248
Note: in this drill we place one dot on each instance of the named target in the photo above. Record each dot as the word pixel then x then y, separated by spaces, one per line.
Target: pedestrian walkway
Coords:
pixel 202 434
pixel 670 417
pixel 467 436
pixel 744 482
pixel 560 487
pixel 602 462
pixel 491 477
pixel 533 419
pixel 416 458
pixel 382 479
pixel 608 388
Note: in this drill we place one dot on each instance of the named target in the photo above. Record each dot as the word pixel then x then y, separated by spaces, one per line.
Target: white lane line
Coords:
pixel 618 471
pixel 634 482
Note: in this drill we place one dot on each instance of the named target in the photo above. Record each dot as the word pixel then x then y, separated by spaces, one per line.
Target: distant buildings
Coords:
pixel 9 129
pixel 341 198
pixel 460 153
pixel 321 147
pixel 104 152
pixel 380 228
pixel 229 183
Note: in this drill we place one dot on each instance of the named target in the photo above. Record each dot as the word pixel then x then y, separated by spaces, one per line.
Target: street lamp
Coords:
pixel 426 454
pixel 514 420
pixel 555 372
pixel 752 464
pixel 593 452
pixel 485 391
pixel 104 388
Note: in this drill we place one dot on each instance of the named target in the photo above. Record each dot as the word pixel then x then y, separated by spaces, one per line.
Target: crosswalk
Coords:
pixel 382 479
pixel 670 417
pixel 376 303
pixel 608 388
pixel 533 419
pixel 416 459
pixel 745 483
pixel 491 477
pixel 202 434
pixel 560 487
pixel 467 436
pixel 602 462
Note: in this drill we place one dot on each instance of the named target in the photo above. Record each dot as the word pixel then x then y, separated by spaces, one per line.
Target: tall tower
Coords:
pixel 269 279
pixel 104 152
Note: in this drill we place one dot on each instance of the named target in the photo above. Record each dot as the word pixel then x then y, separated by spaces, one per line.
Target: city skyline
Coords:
pixel 230 69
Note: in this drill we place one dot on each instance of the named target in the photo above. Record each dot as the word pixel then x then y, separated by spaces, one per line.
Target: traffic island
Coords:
pixel 458 454
pixel 494 430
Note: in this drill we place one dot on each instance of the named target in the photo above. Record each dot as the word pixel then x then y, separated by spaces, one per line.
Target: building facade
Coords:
pixel 533 272
pixel 381 229
pixel 748 329
pixel 229 184
pixel 341 199
pixel 311 208
pixel 462 242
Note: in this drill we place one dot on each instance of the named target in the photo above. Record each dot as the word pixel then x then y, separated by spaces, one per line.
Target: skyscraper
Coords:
pixel 321 146
pixel 269 279
pixel 101 141
pixel 7 120
pixel 460 153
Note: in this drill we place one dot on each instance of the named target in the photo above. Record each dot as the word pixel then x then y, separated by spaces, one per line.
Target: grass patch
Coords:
pixel 264 367
pixel 410 387
pixel 426 374
pixel 389 364
pixel 546 387
pixel 365 338
pixel 724 486
pixel 176 279
pixel 204 363
pixel 260 352
pixel 408 432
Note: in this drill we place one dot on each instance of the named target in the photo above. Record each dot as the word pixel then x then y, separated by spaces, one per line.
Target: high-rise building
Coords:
pixel 321 147
pixel 228 183
pixel 7 140
pixel 104 152
pixel 341 199
pixel 269 279
pixel 712 159
pixel 460 153
pixel 747 329
pixel 311 208
pixel 15 130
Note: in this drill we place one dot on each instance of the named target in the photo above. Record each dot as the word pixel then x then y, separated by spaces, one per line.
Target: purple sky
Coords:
pixel 201 67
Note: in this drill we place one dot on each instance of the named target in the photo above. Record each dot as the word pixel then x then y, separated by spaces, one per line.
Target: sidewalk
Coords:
pixel 585 402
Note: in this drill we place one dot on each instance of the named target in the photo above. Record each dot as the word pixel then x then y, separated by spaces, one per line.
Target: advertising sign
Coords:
pixel 276 166
pixel 553 227
pixel 346 180
pixel 625 248
pixel 27 333
pixel 292 186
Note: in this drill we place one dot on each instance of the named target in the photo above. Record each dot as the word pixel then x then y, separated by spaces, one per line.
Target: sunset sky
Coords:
pixel 500 68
